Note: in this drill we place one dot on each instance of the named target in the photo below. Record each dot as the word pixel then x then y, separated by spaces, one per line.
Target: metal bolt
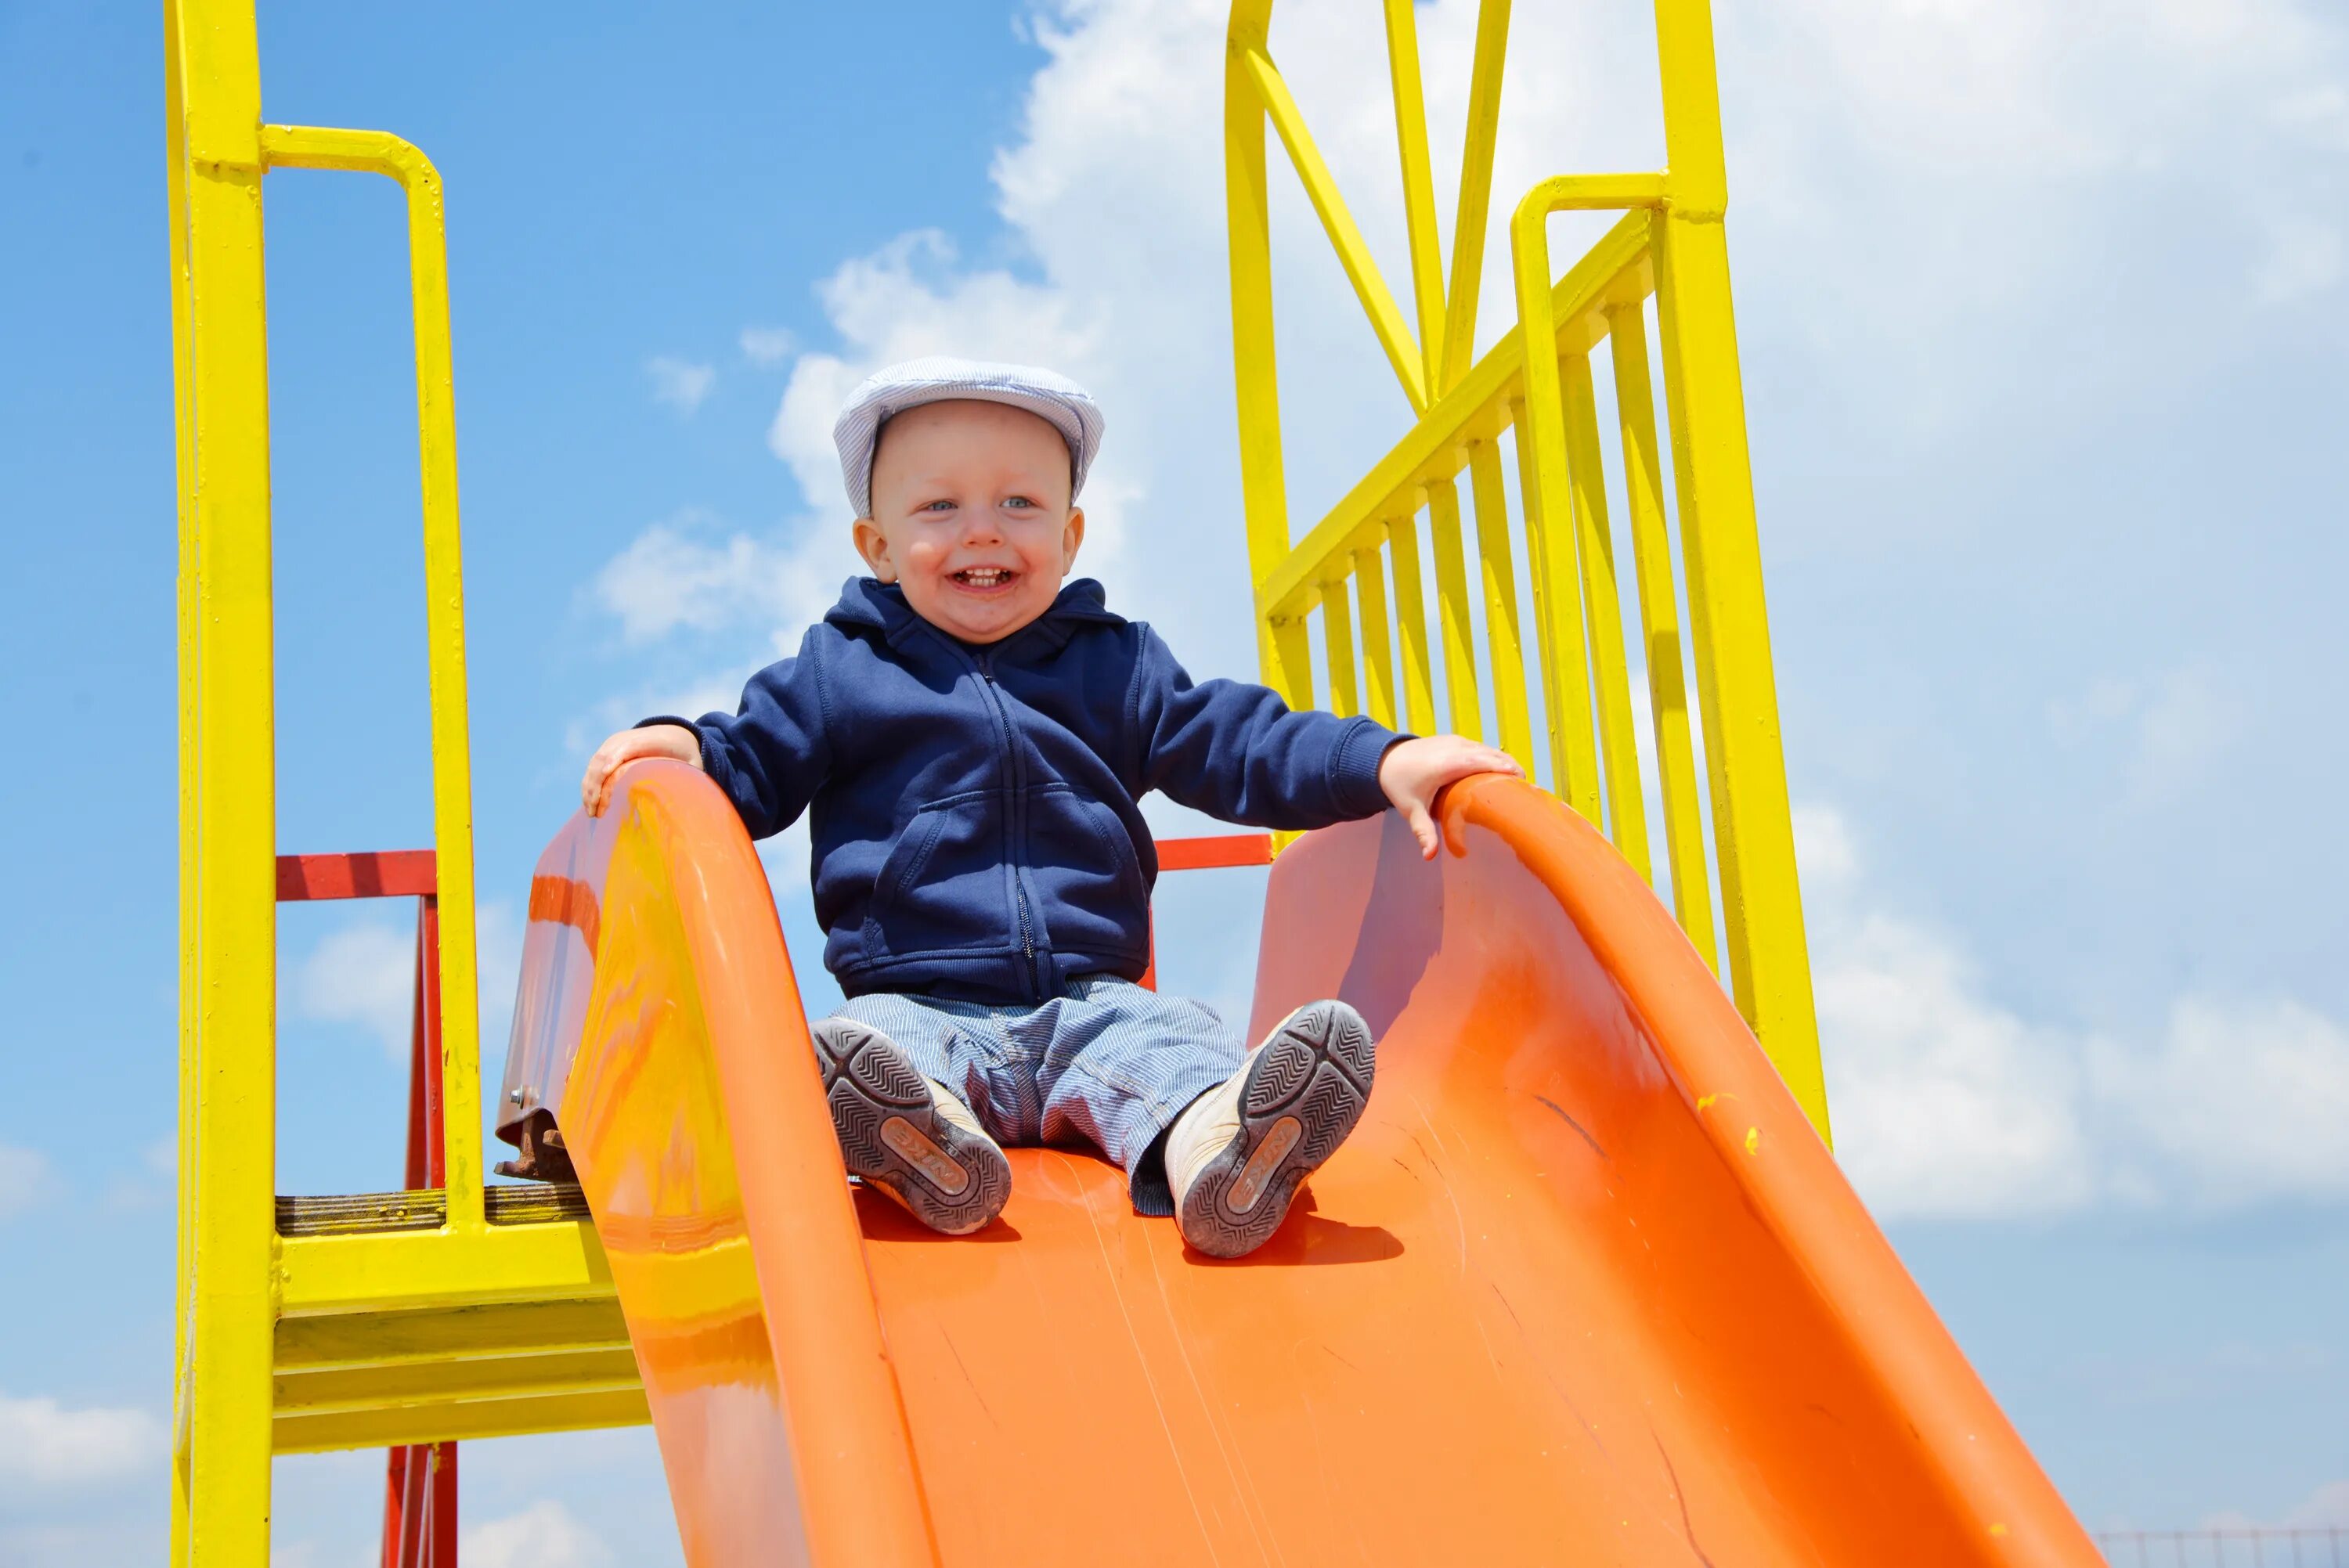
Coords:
pixel 515 1095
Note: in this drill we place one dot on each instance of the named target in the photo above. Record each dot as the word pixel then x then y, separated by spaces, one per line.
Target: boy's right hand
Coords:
pixel 671 740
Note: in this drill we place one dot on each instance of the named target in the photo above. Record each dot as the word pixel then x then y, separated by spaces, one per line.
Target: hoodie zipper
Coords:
pixel 1015 823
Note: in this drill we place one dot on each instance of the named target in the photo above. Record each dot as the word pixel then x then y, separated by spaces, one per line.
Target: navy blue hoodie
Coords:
pixel 973 808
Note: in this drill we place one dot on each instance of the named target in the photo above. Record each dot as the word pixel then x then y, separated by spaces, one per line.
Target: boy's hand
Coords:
pixel 671 741
pixel 1413 770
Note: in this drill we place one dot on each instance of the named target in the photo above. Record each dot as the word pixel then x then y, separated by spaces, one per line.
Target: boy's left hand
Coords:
pixel 1413 770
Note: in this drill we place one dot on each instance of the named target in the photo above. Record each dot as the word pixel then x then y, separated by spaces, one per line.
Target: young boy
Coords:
pixel 971 739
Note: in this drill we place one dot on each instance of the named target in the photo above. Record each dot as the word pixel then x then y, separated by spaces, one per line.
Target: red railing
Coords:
pixel 420 1504
pixel 1213 852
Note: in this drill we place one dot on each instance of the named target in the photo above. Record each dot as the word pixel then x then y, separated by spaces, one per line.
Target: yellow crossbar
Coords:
pixel 1344 238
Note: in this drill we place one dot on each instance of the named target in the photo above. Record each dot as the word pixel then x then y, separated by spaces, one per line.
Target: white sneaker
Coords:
pixel 1236 1157
pixel 906 1134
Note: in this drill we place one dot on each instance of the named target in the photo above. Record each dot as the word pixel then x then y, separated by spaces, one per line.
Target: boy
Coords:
pixel 970 738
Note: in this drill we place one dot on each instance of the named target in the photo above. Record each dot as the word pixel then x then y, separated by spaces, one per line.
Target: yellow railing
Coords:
pixel 378 152
pixel 497 1318
pixel 1532 400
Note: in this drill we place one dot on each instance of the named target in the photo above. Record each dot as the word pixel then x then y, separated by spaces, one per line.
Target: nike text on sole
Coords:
pixel 896 1135
pixel 1305 1088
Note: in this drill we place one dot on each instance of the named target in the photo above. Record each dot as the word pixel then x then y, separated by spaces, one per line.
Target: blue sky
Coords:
pixel 2042 311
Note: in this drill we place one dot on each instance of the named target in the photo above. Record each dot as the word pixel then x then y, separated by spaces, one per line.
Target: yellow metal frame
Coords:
pixel 1535 390
pixel 288 1343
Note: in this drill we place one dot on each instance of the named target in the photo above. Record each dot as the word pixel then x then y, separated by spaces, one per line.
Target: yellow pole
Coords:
pixel 1465 712
pixel 1378 649
pixel 229 1144
pixel 1762 905
pixel 1411 619
pixel 1418 189
pixel 378 152
pixel 1338 632
pixel 1595 549
pixel 1508 657
pixel 175 154
pixel 1543 477
pixel 1354 255
pixel 1284 661
pixel 1660 626
pixel 1476 191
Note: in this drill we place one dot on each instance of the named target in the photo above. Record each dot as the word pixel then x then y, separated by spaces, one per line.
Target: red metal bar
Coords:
pixel 420 1512
pixel 428 1035
pixel 439 1544
pixel 1214 852
pixel 1209 852
pixel 374 874
pixel 395 1507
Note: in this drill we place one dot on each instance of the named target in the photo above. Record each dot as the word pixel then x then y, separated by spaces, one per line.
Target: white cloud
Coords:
pixel 2167 736
pixel 45 1444
pixel 2326 1508
pixel 2244 1101
pixel 2303 257
pixel 681 383
pixel 1880 156
pixel 2320 114
pixel 365 975
pixel 1943 1102
pixel 2185 728
pixel 1949 1103
pixel 1887 151
pixel 308 1553
pixel 544 1535
pixel 680 575
pixel 497 943
pixel 766 344
pixel 25 1178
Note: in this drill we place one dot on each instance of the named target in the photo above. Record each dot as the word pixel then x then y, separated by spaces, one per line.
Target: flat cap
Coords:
pixel 938 379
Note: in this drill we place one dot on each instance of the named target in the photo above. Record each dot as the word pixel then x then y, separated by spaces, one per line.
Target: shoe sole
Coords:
pixel 1305 1091
pixel 892 1136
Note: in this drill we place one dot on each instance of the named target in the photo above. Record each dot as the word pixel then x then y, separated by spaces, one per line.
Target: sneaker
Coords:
pixel 1236 1157
pixel 905 1135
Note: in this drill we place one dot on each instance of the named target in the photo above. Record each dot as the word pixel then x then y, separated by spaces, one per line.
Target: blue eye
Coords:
pixel 939 506
pixel 1020 500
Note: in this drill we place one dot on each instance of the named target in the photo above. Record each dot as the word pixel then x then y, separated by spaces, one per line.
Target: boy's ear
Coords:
pixel 1072 538
pixel 872 544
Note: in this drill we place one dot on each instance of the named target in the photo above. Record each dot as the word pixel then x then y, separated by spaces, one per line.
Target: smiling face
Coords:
pixel 971 516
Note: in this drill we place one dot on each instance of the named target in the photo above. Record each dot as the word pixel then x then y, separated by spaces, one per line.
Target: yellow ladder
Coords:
pixel 445 1315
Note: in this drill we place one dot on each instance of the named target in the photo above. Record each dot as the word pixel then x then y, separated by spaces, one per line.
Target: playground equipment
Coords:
pixel 1585 1285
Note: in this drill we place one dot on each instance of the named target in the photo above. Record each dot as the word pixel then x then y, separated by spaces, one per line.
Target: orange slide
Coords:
pixel 1584 1287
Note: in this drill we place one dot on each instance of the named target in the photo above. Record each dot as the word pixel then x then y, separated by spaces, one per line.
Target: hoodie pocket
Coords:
pixel 1088 879
pixel 944 887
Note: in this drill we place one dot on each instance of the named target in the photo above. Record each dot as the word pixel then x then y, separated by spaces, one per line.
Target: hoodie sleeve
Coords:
pixel 1238 752
pixel 772 752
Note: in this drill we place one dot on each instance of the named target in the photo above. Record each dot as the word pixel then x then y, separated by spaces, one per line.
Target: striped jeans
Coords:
pixel 1110 1064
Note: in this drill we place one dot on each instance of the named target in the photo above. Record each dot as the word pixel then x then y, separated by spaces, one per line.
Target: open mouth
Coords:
pixel 984 577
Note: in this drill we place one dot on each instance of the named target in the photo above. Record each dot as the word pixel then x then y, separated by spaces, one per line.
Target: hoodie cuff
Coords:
pixel 1354 771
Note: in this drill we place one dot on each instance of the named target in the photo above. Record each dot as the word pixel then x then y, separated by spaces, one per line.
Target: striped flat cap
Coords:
pixel 938 379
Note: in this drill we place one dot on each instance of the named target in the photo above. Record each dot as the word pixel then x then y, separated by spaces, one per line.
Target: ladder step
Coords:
pixel 354 1213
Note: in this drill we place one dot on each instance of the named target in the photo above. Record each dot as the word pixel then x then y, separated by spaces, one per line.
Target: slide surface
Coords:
pixel 1583 1287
